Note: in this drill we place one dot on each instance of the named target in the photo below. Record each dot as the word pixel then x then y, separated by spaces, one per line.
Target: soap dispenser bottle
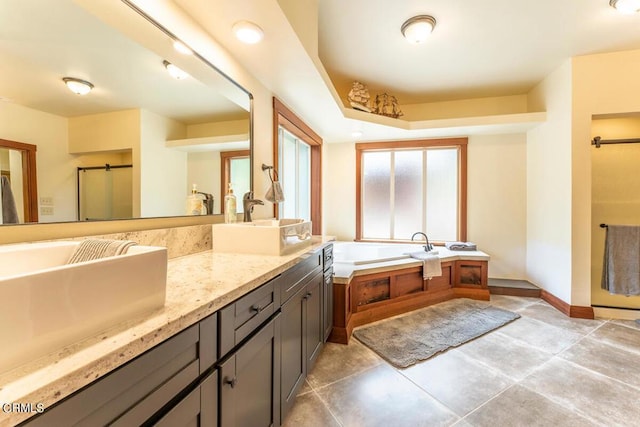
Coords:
pixel 194 202
pixel 230 207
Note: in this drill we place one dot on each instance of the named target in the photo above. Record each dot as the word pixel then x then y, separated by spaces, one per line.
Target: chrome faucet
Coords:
pixel 428 247
pixel 208 202
pixel 248 202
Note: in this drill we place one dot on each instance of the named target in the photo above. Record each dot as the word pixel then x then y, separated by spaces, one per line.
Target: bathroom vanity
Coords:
pixel 232 347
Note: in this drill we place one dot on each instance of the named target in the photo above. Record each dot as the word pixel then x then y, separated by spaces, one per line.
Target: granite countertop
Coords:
pixel 344 272
pixel 197 286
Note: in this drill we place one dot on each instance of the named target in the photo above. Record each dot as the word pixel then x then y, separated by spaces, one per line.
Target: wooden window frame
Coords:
pixel 460 143
pixel 225 171
pixel 29 177
pixel 283 116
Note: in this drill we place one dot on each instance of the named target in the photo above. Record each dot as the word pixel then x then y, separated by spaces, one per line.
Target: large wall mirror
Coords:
pixel 137 142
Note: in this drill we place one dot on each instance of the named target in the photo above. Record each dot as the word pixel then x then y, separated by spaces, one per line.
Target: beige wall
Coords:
pixel 549 186
pixel 496 198
pixel 118 130
pixel 497 201
pixel 50 137
pixel 163 172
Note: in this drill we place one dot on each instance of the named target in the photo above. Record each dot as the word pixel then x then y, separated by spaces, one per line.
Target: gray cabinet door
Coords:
pixel 249 396
pixel 293 351
pixel 301 338
pixel 314 334
pixel 327 311
pixel 198 409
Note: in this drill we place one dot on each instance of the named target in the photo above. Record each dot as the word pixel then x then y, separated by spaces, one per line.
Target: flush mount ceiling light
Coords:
pixel 625 6
pixel 174 71
pixel 182 48
pixel 418 28
pixel 248 32
pixel 78 86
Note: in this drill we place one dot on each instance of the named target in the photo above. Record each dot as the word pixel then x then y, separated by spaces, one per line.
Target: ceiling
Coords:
pixel 478 48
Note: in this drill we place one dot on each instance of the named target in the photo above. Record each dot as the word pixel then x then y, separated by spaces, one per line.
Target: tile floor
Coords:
pixel 543 369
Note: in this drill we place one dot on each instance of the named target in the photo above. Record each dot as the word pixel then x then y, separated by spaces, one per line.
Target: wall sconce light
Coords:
pixel 174 71
pixel 78 86
pixel 418 28
pixel 248 32
pixel 626 7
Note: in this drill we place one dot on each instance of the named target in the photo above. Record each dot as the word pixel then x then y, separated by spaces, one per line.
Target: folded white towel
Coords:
pixel 430 264
pixel 91 249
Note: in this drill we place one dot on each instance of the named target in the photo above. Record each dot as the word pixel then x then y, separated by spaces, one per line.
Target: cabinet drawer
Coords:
pixel 293 279
pixel 133 392
pixel 240 319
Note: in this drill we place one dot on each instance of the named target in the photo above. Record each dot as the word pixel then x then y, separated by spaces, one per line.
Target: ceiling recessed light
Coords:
pixel 419 28
pixel 248 32
pixel 625 6
pixel 356 133
pixel 78 86
pixel 174 71
pixel 182 48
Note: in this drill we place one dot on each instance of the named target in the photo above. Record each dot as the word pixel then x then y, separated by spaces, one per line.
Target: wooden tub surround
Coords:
pixel 368 295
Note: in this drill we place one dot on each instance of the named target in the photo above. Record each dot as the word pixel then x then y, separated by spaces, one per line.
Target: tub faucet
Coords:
pixel 428 247
pixel 248 202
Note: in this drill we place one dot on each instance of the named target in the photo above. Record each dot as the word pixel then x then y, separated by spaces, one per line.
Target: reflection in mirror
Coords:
pixel 173 132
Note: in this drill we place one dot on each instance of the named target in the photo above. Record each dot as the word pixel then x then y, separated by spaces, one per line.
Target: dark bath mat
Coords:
pixel 410 338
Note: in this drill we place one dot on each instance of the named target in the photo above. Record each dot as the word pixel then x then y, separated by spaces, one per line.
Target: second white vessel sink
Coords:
pixel 49 304
pixel 264 237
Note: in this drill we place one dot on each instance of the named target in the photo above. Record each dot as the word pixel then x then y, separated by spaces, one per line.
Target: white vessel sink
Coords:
pixel 48 304
pixel 264 237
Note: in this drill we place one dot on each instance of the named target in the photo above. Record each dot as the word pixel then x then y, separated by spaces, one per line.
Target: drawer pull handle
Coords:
pixel 232 382
pixel 256 309
pixel 307 296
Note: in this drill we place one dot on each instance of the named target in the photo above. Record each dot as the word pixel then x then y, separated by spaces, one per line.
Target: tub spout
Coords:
pixel 428 247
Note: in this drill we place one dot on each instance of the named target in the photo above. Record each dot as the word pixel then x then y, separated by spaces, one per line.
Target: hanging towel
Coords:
pixel 430 264
pixel 621 265
pixel 91 249
pixel 9 210
pixel 275 193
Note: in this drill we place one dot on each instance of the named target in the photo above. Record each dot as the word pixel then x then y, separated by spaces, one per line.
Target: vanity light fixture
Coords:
pixel 626 7
pixel 174 71
pixel 418 28
pixel 248 32
pixel 78 86
pixel 182 48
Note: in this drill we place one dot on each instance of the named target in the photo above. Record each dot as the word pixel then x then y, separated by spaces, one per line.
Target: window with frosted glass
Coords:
pixel 376 195
pixel 408 190
pixel 295 176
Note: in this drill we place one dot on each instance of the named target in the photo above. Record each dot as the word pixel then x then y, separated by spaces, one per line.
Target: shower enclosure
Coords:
pixel 105 192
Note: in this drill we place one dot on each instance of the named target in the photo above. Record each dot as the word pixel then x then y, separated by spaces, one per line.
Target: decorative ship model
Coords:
pixel 359 97
pixel 387 105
